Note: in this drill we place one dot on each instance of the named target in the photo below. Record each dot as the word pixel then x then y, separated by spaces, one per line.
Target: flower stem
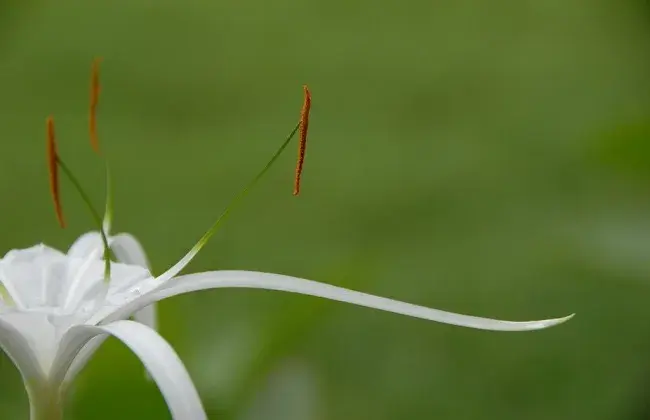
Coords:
pixel 45 404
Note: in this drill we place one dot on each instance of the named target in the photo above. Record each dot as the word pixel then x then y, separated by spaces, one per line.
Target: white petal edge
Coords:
pixel 147 316
pixel 126 247
pixel 158 357
pixel 256 280
pixel 85 245
pixel 128 250
pixel 81 359
pixel 16 347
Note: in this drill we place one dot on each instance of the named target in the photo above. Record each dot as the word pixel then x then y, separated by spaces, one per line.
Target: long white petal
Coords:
pixel 158 357
pixel 256 280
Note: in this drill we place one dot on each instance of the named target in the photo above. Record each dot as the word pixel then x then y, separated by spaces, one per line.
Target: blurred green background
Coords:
pixel 490 158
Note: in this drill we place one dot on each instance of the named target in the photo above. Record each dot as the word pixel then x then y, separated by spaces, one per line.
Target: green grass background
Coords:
pixel 490 158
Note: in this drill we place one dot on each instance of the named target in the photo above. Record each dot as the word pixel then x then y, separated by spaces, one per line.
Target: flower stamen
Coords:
pixel 53 169
pixel 301 125
pixel 54 162
pixel 95 215
pixel 302 144
pixel 95 89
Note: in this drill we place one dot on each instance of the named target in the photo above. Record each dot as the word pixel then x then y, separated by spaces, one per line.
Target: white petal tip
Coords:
pixel 547 323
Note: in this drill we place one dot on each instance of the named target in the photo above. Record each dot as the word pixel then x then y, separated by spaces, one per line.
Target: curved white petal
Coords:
pixel 158 357
pixel 147 316
pixel 256 280
pixel 17 348
pixel 81 359
pixel 127 249
pixel 86 244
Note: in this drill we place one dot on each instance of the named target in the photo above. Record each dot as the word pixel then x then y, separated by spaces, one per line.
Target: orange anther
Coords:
pixel 95 89
pixel 53 166
pixel 302 145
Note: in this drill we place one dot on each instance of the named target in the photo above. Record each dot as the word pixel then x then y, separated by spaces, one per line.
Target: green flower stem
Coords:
pixel 204 239
pixel 45 403
pixel 97 218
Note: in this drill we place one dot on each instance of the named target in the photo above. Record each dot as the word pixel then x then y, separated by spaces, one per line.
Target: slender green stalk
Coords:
pixel 97 218
pixel 243 193
pixel 108 211
pixel 176 268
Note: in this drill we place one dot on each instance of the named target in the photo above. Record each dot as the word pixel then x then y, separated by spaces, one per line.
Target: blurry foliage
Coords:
pixel 627 149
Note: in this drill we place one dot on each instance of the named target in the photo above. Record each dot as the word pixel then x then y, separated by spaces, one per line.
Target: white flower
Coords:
pixel 56 309
pixel 47 304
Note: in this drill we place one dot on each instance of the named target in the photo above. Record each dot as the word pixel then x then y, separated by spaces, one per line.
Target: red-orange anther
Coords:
pixel 53 166
pixel 302 145
pixel 95 89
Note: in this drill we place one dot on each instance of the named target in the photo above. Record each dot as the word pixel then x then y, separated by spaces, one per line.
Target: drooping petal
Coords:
pixel 81 359
pixel 158 357
pixel 149 317
pixel 16 347
pixel 256 280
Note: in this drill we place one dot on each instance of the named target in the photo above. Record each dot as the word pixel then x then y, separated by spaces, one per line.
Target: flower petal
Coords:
pixel 81 359
pixel 256 280
pixel 17 348
pixel 127 249
pixel 156 354
pixel 86 244
pixel 147 316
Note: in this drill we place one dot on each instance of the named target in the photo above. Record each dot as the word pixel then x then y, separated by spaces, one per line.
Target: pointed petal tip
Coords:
pixel 558 321
pixel 546 323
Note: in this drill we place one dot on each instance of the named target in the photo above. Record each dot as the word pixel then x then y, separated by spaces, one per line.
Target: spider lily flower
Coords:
pixel 55 313
pixel 57 308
